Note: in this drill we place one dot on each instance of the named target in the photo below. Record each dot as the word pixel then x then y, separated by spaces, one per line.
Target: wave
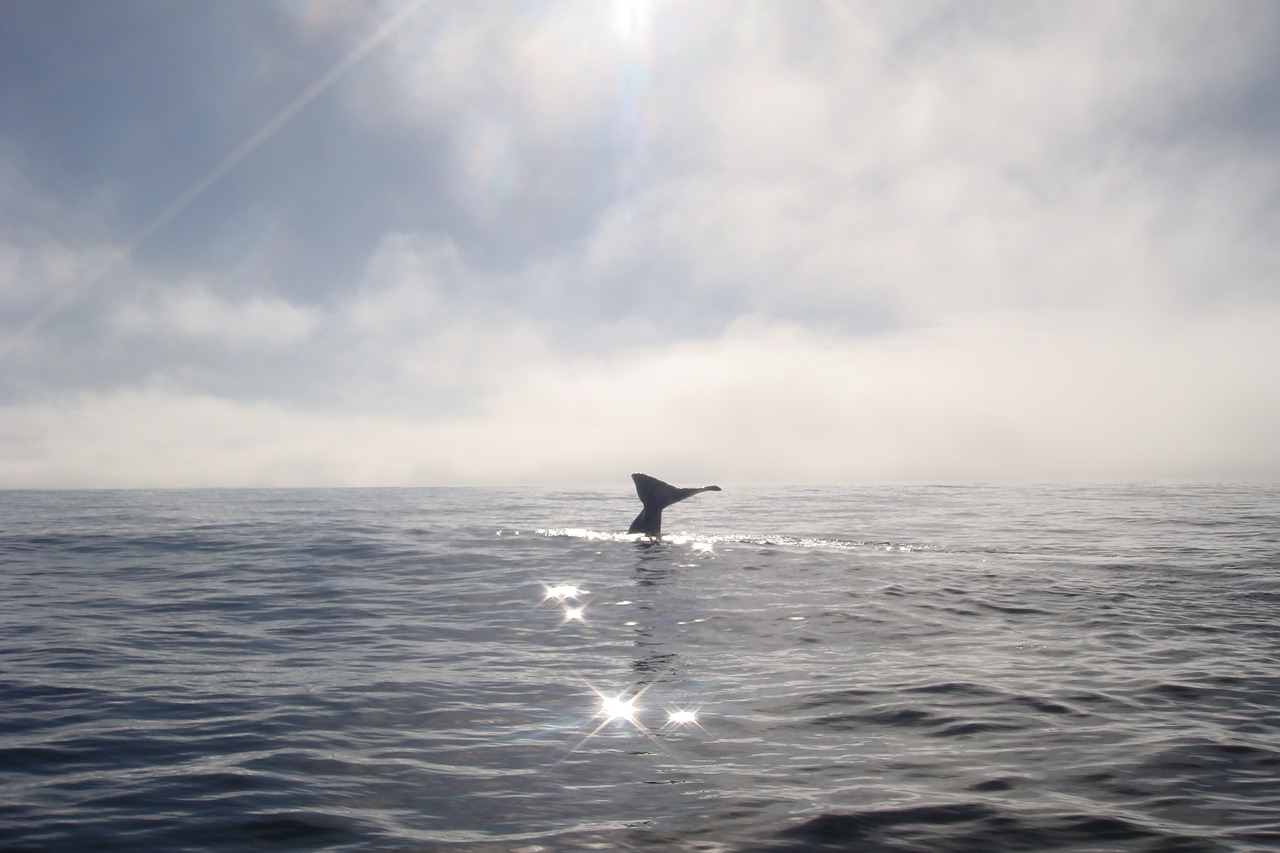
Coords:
pixel 974 826
pixel 761 540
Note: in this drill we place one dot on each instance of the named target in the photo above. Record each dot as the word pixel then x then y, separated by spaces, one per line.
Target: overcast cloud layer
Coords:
pixel 337 243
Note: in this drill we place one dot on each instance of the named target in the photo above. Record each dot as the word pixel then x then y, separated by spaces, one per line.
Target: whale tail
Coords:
pixel 657 496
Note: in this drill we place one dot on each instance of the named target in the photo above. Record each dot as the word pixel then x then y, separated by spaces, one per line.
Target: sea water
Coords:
pixel 966 668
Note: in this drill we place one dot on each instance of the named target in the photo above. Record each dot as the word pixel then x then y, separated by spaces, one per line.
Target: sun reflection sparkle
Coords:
pixel 561 592
pixel 624 707
pixel 618 708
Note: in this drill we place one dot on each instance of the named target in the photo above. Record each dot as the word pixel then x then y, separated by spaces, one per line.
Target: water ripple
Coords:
pixel 910 669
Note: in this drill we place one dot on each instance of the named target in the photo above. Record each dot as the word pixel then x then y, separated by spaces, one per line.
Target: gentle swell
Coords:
pixel 898 669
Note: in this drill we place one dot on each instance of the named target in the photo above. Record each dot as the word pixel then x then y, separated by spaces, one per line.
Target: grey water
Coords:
pixel 502 669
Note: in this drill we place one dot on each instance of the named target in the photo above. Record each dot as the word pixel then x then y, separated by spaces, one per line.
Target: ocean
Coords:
pixel 502 669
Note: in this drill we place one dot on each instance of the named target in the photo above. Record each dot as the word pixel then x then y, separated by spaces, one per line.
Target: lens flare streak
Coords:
pixel 213 176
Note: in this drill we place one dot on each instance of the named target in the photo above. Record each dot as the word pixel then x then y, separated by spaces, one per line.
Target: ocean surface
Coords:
pixel 501 669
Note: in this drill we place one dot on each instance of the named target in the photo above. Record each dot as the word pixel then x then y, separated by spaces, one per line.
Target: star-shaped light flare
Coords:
pixel 618 708
pixel 679 718
pixel 568 595
pixel 626 707
pixel 562 592
pixel 621 706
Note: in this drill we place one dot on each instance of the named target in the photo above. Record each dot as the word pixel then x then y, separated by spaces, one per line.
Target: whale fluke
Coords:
pixel 657 496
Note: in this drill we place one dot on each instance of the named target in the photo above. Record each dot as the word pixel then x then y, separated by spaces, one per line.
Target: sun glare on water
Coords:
pixel 618 708
pixel 562 592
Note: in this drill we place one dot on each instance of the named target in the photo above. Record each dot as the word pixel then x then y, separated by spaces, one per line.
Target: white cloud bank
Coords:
pixel 991 399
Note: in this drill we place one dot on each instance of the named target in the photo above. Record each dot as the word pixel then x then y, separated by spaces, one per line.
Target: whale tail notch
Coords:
pixel 657 496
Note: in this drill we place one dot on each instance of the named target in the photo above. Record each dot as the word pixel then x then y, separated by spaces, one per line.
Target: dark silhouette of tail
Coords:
pixel 657 496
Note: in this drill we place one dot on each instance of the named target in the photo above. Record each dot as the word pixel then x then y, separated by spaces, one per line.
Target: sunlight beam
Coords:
pixel 197 189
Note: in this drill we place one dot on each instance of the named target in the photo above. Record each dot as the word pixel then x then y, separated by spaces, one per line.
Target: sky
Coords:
pixel 410 242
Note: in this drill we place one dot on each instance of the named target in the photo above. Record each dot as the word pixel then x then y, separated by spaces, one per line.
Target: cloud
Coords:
pixel 425 332
pixel 992 398
pixel 32 273
pixel 533 242
pixel 1018 161
pixel 193 312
